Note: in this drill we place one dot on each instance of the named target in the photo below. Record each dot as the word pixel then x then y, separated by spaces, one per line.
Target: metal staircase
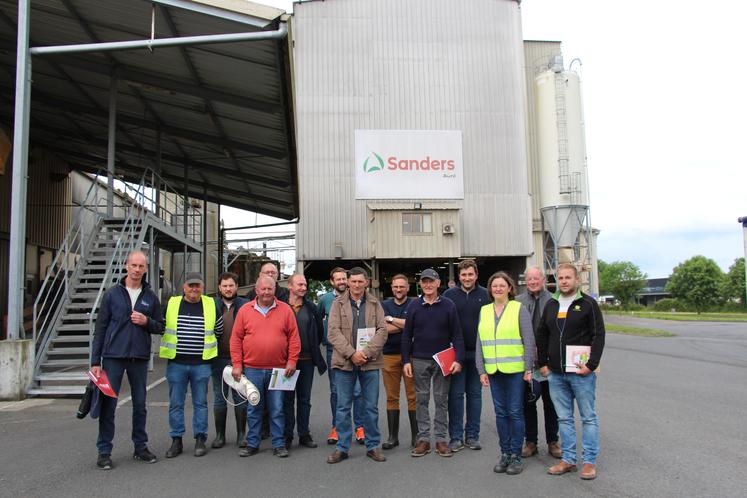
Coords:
pixel 92 259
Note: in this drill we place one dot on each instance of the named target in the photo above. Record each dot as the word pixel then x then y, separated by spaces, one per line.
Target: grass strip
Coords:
pixel 683 316
pixel 642 331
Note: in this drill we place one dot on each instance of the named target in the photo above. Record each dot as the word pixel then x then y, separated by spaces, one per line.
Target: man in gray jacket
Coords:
pixel 357 332
pixel 535 298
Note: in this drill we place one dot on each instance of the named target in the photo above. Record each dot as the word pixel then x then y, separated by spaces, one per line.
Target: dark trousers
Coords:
pixel 541 389
pixel 137 376
pixel 297 404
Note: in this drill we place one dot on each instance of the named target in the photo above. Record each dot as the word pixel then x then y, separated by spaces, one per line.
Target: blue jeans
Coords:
pixel 137 375
pixel 357 403
pixel 369 382
pixel 564 388
pixel 508 402
pixel 302 394
pixel 465 382
pixel 198 377
pixel 274 400
pixel 219 397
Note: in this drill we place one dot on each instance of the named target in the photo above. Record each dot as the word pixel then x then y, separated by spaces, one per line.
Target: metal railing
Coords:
pixel 78 239
pixel 131 235
pixel 157 200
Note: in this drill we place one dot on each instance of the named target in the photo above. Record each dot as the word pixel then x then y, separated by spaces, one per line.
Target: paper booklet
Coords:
pixel 364 337
pixel 576 354
pixel 102 382
pixel 279 382
pixel 445 359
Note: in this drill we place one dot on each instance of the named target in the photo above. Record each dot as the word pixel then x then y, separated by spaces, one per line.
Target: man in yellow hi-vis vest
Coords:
pixel 190 343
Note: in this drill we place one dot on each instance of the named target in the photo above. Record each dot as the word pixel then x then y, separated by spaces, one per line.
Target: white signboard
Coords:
pixel 408 164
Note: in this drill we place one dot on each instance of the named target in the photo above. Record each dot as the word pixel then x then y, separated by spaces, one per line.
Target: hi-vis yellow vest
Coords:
pixel 168 341
pixel 502 348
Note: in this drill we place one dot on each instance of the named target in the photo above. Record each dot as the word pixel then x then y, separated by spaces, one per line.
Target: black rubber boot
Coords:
pixel 176 448
pixel 240 412
pixel 219 413
pixel 413 428
pixel 392 421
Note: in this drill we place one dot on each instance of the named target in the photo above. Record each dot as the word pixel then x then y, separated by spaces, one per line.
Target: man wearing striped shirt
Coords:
pixel 189 343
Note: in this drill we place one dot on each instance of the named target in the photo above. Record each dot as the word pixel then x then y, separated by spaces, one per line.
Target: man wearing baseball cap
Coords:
pixel 189 343
pixel 432 326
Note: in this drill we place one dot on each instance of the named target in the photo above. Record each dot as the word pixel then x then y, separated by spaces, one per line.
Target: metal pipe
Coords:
pixel 149 44
pixel 111 145
pixel 743 221
pixel 17 244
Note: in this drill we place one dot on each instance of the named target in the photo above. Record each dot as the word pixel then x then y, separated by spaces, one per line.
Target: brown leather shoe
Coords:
pixel 529 449
pixel 443 450
pixel 375 455
pixel 421 449
pixel 337 456
pixel 562 468
pixel 554 449
pixel 588 472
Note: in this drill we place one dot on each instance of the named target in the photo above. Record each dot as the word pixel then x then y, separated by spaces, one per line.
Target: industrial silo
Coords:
pixel 564 199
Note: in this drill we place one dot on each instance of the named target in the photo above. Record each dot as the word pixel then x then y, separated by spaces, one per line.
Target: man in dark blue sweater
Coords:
pixel 432 325
pixel 468 298
pixel 128 315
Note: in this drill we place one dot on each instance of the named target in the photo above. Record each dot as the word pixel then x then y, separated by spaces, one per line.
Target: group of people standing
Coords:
pixel 515 345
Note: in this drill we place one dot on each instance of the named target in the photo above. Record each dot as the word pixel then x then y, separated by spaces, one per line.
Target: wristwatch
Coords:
pixel 389 319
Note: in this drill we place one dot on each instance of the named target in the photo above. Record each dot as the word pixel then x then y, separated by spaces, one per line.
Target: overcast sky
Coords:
pixel 664 99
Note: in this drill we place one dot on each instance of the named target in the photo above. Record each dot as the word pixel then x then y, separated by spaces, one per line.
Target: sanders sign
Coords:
pixel 408 164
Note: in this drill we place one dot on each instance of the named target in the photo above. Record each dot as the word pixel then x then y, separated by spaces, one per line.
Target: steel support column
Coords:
pixel 112 145
pixel 17 245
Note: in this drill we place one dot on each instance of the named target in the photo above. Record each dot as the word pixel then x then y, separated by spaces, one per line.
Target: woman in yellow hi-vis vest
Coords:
pixel 504 357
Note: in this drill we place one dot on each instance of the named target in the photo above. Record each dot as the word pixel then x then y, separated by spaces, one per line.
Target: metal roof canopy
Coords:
pixel 202 93
pixel 202 87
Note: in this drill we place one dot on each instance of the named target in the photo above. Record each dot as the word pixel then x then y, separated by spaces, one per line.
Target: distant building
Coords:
pixel 654 291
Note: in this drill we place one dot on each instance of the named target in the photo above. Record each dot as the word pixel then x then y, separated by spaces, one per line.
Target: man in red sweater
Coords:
pixel 264 337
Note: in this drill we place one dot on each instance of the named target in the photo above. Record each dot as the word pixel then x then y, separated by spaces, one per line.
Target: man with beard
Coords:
pixel 228 303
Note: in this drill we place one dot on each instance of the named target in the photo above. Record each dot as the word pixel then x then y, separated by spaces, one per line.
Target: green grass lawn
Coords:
pixel 683 316
pixel 644 331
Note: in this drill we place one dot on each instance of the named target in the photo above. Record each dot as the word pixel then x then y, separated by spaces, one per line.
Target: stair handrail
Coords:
pixel 136 211
pixel 49 300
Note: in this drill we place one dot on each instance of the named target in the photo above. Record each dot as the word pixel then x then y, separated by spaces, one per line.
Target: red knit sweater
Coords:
pixel 259 341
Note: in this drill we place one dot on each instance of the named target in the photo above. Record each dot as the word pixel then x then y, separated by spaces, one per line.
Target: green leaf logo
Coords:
pixel 377 165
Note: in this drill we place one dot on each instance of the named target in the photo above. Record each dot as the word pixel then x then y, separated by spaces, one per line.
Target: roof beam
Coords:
pixel 173 131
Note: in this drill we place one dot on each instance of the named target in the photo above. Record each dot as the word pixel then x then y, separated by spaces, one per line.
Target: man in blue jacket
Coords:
pixel 469 297
pixel 128 314
pixel 297 404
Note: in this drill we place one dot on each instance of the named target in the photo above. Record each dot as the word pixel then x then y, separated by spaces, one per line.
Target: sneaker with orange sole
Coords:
pixel 332 436
pixel 360 436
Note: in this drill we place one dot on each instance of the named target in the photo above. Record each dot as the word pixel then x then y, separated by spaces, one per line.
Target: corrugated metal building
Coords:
pixel 415 65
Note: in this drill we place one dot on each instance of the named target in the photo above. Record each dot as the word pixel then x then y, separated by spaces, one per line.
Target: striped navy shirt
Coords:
pixel 190 331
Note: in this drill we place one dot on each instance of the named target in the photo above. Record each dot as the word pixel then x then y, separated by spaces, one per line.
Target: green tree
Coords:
pixel 697 282
pixel 622 279
pixel 734 283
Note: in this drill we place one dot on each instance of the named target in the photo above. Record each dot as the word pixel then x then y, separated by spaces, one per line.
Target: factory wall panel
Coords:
pixel 415 65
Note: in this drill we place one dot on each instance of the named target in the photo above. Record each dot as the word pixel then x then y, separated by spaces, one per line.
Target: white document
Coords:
pixel 279 382
pixel 364 337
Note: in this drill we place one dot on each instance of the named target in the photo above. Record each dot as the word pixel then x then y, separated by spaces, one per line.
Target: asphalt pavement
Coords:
pixel 671 420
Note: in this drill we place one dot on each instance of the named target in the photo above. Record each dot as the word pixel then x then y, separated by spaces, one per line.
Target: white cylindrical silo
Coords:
pixel 562 154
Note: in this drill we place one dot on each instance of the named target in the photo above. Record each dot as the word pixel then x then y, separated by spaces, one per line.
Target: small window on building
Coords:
pixel 416 223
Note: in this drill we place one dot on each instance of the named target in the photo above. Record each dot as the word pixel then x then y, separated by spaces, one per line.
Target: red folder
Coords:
pixel 444 359
pixel 102 382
